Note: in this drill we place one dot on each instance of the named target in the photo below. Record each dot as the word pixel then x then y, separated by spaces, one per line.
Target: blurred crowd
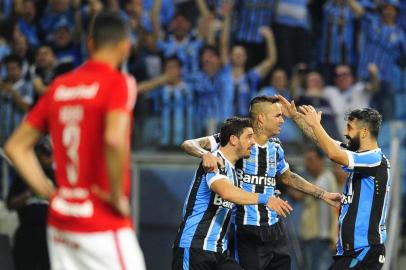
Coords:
pixel 198 62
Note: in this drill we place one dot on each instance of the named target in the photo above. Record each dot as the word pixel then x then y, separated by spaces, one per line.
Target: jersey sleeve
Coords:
pixel 282 165
pixel 214 142
pixel 211 177
pixel 38 116
pixel 363 160
pixel 123 95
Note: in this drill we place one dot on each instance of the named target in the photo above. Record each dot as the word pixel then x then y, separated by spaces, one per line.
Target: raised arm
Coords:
pixel 326 143
pixel 203 9
pixel 225 34
pixel 289 110
pixel 156 22
pixel 356 8
pixel 265 66
pixel 299 183
pixel 236 195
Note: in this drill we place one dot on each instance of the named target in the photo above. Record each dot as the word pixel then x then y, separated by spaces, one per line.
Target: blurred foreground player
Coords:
pixel 88 115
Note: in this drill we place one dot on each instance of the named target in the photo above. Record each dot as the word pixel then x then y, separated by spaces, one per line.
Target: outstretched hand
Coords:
pixel 281 207
pixel 310 115
pixel 288 108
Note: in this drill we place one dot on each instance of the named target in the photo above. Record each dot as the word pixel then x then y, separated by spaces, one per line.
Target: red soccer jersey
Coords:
pixel 74 112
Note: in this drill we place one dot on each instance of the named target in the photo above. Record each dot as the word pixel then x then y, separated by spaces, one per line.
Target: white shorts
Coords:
pixel 107 250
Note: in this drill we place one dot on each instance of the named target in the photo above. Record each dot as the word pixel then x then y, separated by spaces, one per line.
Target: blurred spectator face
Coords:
pixel 210 62
pixel 343 77
pixel 14 71
pixel 389 13
pixel 29 10
pixel 314 164
pixel 279 80
pixel 95 6
pixel 173 69
pixel 59 6
pixel 180 26
pixel 150 42
pixel 45 57
pixel 314 81
pixel 62 36
pixel 238 56
pixel 133 7
pixel 20 45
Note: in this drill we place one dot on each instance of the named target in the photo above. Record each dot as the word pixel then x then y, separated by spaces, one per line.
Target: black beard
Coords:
pixel 353 143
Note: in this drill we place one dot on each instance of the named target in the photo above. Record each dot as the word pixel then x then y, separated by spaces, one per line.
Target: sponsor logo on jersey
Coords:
pixel 65 93
pixel 255 179
pixel 221 202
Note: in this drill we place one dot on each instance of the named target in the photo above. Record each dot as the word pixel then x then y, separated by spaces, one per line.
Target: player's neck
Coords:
pixel 106 57
pixel 368 145
pixel 230 154
pixel 261 138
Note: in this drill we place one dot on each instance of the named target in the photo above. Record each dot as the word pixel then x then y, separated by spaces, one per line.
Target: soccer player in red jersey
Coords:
pixel 88 115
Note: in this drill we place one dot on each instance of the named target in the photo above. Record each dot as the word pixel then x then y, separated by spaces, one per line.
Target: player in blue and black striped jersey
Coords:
pixel 201 242
pixel 361 224
pixel 260 241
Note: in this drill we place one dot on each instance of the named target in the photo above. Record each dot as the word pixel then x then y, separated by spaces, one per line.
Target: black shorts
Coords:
pixel 371 258
pixel 260 247
pixel 199 259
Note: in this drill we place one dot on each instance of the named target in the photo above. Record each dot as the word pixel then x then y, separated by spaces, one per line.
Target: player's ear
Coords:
pixel 125 47
pixel 233 140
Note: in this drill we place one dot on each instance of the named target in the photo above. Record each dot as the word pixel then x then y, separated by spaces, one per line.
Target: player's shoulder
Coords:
pixel 275 140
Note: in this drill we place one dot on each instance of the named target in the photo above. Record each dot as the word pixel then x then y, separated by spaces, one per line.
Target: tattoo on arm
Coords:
pixel 197 147
pixel 297 182
pixel 307 130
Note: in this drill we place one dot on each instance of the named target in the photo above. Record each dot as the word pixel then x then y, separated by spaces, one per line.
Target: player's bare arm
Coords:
pixel 20 149
pixel 326 143
pixel 116 144
pixel 200 148
pixel 297 182
pixel 289 110
pixel 236 195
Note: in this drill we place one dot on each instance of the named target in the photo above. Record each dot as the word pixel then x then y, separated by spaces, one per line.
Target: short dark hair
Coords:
pixel 213 49
pixel 13 58
pixel 371 117
pixel 107 29
pixel 233 126
pixel 261 99
pixel 173 57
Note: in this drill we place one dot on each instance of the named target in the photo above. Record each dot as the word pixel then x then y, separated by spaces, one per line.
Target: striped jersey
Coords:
pixel 383 45
pixel 206 216
pixel 337 41
pixel 250 16
pixel 257 174
pixel 363 209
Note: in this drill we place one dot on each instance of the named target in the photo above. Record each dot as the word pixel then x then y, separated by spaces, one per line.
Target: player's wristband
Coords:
pixel 263 198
